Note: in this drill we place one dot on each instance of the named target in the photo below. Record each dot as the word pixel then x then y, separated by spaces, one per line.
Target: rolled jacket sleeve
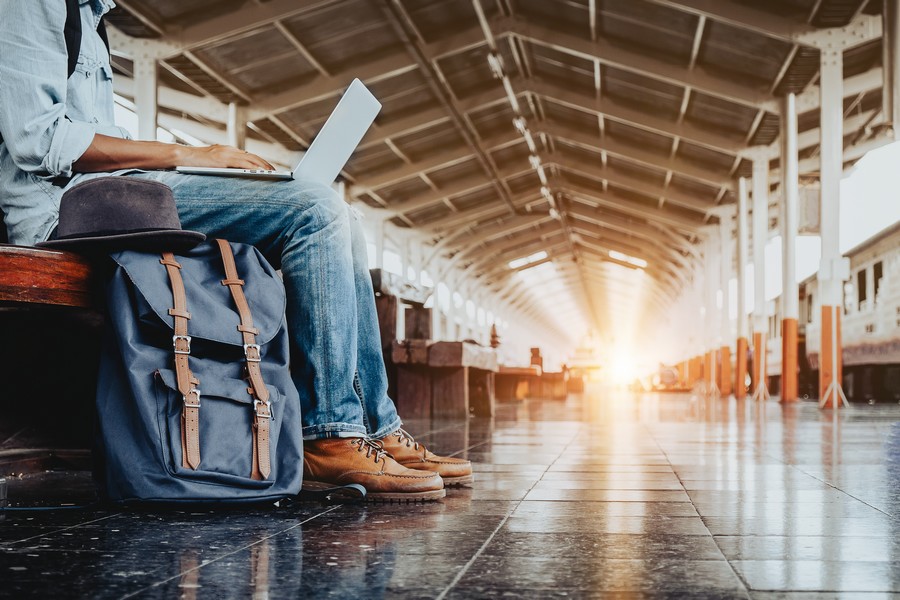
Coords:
pixel 33 83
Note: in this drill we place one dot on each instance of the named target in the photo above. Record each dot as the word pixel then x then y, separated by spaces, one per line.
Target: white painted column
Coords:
pixel 833 270
pixel 403 251
pixel 237 126
pixel 451 329
pixel 743 247
pixel 378 234
pixel 830 286
pixel 890 18
pixel 790 218
pixel 790 211
pixel 712 321
pixel 145 96
pixel 743 330
pixel 760 223
pixel 726 336
pixel 726 266
pixel 436 325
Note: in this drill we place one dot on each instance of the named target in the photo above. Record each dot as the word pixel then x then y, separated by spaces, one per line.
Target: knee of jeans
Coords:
pixel 324 200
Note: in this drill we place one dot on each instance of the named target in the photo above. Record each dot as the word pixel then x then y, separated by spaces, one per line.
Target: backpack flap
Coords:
pixel 213 315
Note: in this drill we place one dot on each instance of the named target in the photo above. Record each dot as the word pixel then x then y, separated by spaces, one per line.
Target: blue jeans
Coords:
pixel 315 238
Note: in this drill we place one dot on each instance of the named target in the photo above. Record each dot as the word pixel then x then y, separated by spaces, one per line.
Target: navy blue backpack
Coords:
pixel 195 402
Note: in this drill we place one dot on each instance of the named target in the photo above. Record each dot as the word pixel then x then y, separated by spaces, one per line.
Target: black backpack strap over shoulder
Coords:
pixel 73 34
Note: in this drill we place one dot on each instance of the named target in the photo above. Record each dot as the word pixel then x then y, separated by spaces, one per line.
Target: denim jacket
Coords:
pixel 46 121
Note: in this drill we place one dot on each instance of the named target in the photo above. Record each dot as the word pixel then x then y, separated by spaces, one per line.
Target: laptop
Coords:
pixel 331 149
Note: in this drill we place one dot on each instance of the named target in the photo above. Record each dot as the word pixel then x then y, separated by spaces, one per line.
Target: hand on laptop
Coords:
pixel 110 153
pixel 222 156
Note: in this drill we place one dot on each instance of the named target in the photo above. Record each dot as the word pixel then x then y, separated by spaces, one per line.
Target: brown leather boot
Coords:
pixel 410 453
pixel 340 461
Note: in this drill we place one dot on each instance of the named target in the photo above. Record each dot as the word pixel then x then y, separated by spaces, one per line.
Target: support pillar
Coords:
pixel 145 96
pixel 890 44
pixel 378 234
pixel 725 258
pixel 712 320
pixel 834 269
pixel 740 389
pixel 789 230
pixel 237 126
pixel 760 235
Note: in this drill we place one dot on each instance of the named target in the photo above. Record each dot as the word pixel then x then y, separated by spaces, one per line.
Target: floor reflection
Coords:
pixel 605 493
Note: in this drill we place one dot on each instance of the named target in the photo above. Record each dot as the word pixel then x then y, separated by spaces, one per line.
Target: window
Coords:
pixel 877 272
pixel 860 287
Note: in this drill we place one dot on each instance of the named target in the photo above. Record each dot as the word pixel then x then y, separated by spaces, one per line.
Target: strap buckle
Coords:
pixel 185 338
pixel 193 392
pixel 248 348
pixel 268 412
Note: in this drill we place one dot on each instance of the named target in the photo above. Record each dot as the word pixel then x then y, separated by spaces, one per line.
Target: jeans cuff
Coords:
pixel 388 429
pixel 333 430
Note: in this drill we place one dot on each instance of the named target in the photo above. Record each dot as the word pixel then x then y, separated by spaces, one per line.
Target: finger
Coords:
pixel 263 163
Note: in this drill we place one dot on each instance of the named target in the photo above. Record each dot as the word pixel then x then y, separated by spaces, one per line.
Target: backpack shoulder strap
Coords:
pixel 72 32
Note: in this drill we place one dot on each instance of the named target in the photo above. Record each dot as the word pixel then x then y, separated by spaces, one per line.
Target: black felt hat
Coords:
pixel 108 214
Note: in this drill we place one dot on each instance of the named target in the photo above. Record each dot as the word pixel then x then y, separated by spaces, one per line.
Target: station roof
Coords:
pixel 605 133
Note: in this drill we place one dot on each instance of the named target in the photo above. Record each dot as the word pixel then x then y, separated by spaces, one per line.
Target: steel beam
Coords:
pixel 744 17
pixel 438 161
pixel 601 199
pixel 602 173
pixel 645 157
pixel 585 102
pixel 617 56
pixel 458 187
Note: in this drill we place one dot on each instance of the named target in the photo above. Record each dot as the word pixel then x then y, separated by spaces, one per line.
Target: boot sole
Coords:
pixel 464 480
pixel 385 497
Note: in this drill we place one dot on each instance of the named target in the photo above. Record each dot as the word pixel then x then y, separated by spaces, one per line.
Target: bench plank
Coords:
pixel 36 276
pixel 462 354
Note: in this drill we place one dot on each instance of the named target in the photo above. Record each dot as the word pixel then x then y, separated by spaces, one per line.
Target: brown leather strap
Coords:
pixel 187 383
pixel 262 409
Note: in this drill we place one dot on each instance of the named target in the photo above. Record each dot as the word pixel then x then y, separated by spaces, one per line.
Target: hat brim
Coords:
pixel 145 241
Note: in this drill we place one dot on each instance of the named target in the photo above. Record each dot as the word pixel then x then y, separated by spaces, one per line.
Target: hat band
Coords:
pixel 110 232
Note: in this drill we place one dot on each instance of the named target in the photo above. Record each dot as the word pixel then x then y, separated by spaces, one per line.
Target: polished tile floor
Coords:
pixel 606 495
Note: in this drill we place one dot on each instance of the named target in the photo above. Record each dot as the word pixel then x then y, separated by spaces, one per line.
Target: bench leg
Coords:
pixel 413 398
pixel 450 392
pixel 481 392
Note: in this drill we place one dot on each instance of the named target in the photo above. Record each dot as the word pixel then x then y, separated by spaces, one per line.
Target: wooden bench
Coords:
pixel 513 383
pixel 396 296
pixel 32 276
pixel 444 379
pixel 50 321
pixel 554 385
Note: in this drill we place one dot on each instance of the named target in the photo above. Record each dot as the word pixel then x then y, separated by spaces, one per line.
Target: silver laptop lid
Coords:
pixel 339 136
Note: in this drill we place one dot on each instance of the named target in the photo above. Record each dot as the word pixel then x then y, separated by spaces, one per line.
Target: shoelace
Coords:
pixel 371 446
pixel 405 437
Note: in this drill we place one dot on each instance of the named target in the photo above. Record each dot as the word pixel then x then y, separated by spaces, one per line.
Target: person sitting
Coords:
pixel 60 131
